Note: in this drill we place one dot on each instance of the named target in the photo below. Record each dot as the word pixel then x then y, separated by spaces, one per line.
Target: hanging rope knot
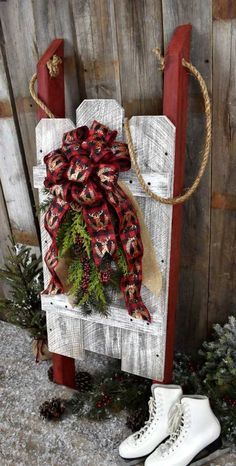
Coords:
pixel 53 66
pixel 161 59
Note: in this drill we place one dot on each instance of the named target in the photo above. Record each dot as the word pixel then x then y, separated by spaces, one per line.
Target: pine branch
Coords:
pixel 121 261
pixel 78 227
pixel 23 271
pixel 75 274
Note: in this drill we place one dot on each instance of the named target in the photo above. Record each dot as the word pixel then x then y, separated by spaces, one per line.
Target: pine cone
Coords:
pixel 137 419
pixel 52 409
pixel 50 373
pixel 83 381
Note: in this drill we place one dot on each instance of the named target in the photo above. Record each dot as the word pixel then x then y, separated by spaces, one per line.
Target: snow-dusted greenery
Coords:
pixel 23 273
pixel 214 374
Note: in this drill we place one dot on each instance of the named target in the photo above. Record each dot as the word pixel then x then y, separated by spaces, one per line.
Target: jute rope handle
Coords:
pixel 54 70
pixel 206 146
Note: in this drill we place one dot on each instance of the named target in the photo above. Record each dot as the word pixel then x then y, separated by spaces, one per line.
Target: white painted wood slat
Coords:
pixel 65 335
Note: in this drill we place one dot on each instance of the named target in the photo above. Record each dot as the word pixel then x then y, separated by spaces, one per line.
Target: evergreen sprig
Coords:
pixel 78 227
pixel 121 261
pixel 96 298
pixel 112 392
pixel 75 274
pixel 23 272
pixel 73 225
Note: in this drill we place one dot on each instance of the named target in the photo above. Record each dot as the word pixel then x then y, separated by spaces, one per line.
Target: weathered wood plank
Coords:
pixel 65 335
pixel 223 9
pixel 12 174
pixel 142 354
pixel 222 298
pixel 154 139
pixel 118 315
pixel 139 30
pixel 106 111
pixel 159 182
pixel 22 54
pixel 102 339
pixel 96 43
pixel 193 290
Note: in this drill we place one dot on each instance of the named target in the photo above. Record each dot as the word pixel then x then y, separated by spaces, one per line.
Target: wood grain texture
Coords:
pixel 139 29
pixel 154 139
pixel 55 20
pixel 118 316
pixel 176 80
pixel 97 50
pixel 193 290
pixel 223 9
pixel 102 339
pixel 222 299
pixel 65 335
pixel 159 182
pixel 142 355
pixel 22 54
pixel 12 173
pixel 107 111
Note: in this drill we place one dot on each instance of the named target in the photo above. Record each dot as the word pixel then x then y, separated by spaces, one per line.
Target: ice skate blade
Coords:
pixel 206 453
pixel 132 461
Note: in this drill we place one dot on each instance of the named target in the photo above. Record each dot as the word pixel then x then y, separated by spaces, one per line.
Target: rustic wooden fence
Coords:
pixel 108 47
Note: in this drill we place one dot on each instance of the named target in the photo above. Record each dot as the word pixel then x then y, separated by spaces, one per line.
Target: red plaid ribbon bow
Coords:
pixel 83 175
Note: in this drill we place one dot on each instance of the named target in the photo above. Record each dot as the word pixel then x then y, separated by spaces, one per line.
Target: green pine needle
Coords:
pixel 121 261
pixel 75 274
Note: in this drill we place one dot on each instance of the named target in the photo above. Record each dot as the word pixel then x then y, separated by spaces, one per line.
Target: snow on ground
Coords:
pixel 28 440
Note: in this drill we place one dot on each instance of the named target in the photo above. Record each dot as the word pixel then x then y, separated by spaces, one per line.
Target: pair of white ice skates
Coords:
pixel 180 431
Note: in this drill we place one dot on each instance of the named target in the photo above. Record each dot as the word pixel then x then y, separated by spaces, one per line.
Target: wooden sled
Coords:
pixel 144 349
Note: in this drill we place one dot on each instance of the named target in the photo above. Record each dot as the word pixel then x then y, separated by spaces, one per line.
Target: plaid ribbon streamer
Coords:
pixel 82 175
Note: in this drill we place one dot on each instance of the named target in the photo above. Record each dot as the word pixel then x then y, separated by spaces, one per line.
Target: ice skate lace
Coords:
pixel 153 411
pixel 179 421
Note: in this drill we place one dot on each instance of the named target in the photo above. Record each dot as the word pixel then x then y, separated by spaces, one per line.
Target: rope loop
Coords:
pixel 206 145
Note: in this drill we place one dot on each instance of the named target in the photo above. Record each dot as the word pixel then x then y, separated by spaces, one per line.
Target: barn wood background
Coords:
pixel 108 47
